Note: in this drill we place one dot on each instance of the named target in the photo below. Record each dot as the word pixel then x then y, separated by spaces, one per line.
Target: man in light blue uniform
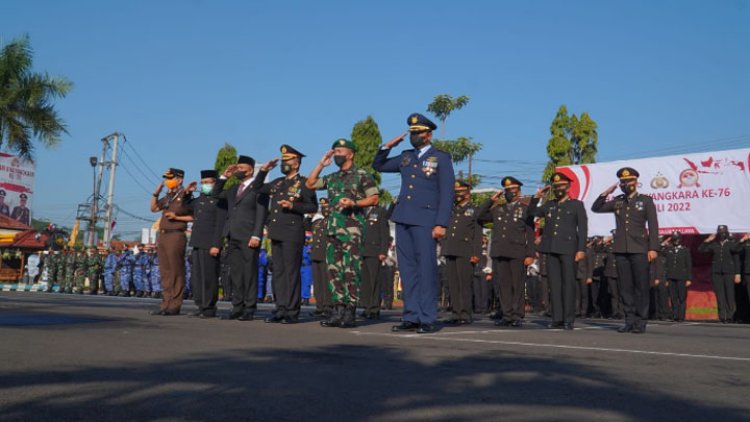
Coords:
pixel 126 265
pixel 421 214
pixel 110 267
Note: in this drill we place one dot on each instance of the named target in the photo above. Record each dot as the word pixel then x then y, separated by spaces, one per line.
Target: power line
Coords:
pixel 135 151
pixel 134 179
pixel 146 177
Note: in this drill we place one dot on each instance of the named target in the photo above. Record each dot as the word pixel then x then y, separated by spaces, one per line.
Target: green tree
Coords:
pixel 26 101
pixel 366 136
pixel 226 156
pixel 443 105
pixel 572 141
pixel 460 150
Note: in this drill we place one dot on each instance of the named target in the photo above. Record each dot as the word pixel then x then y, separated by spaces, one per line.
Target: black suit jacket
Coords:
pixel 512 229
pixel 209 215
pixel 565 226
pixel 377 232
pixel 287 224
pixel 723 259
pixel 679 263
pixel 636 222
pixel 245 214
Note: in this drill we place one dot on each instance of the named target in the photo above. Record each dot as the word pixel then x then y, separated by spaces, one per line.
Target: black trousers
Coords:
pixel 287 283
pixel 460 274
pixel 561 276
pixel 678 295
pixel 633 278
pixel 724 289
pixel 596 297
pixel 320 286
pixel 205 278
pixel 510 274
pixel 661 301
pixel 243 275
pixel 369 290
pixel 387 276
pixel 615 300
pixel 582 297
pixel 481 292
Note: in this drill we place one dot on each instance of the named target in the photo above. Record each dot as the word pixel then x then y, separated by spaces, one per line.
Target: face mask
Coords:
pixel 286 168
pixel 324 211
pixel 723 235
pixel 171 183
pixel 627 189
pixel 239 174
pixel 207 188
pixel 676 240
pixel 417 140
pixel 339 160
pixel 509 196
pixel 459 198
pixel 559 193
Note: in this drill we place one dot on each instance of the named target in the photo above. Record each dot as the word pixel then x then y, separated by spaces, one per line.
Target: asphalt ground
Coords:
pixel 87 358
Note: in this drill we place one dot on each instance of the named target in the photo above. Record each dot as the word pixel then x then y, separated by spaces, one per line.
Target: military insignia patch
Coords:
pixel 469 212
pixel 283 150
pixel 405 160
pixel 414 120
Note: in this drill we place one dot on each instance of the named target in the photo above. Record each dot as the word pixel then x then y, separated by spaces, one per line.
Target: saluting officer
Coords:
pixel 374 252
pixel 636 243
pixel 679 273
pixel 209 215
pixel 172 241
pixel 462 249
pixel 512 248
pixel 564 244
pixel 4 209
pixel 289 201
pixel 725 270
pixel 422 213
pixel 743 255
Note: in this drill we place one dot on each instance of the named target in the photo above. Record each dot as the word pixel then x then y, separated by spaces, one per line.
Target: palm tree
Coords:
pixel 26 108
pixel 443 105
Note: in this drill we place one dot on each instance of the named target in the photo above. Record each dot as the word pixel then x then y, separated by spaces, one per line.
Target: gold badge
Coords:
pixel 456 185
pixel 414 120
pixel 557 178
pixel 342 142
pixel 283 150
pixel 507 182
pixel 625 173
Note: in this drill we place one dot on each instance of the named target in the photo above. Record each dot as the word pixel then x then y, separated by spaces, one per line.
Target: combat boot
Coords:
pixel 349 317
pixel 336 317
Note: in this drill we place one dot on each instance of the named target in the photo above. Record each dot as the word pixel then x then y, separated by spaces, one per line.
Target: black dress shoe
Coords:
pixel 195 314
pixel 627 328
pixel 248 316
pixel 568 326
pixel 233 315
pixel 286 320
pixel 516 324
pixel 553 325
pixel 502 323
pixel 207 315
pixel 451 321
pixel 273 319
pixel 464 322
pixel 405 326
pixel 159 312
pixel 426 329
pixel 638 329
pixel 171 313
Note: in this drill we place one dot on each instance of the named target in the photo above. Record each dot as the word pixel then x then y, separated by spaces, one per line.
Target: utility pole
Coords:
pixel 115 137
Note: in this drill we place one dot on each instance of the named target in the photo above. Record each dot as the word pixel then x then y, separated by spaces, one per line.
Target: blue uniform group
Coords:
pixel 425 201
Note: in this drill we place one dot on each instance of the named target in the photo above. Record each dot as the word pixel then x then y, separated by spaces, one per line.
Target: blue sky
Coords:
pixel 181 78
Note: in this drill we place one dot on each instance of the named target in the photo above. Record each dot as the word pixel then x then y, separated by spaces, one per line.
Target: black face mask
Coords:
pixel 675 240
pixel 628 188
pixel 239 174
pixel 286 168
pixel 722 235
pixel 339 160
pixel 417 140
pixel 509 196
pixel 460 198
pixel 559 193
pixel 324 211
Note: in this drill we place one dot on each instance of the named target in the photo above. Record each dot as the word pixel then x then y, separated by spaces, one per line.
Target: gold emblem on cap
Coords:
pixel 283 150
pixel 507 182
pixel 457 185
pixel 414 120
pixel 557 178
pixel 342 142
pixel 625 173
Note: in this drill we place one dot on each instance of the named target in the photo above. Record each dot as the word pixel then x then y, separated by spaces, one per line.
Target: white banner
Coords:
pixel 16 187
pixel 693 193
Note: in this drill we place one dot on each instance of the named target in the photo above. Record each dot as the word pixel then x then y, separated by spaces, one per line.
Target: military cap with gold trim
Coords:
pixel 461 184
pixel 559 179
pixel 323 200
pixel 171 173
pixel 511 182
pixel 627 173
pixel 289 153
pixel 344 143
pixel 419 123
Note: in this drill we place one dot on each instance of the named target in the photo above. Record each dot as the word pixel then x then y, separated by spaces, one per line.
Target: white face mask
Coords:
pixel 135 250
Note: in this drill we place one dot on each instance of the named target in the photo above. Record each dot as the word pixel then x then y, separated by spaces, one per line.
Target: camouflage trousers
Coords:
pixel 344 260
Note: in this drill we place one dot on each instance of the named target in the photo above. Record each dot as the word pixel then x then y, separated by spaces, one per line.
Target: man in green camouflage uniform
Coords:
pixel 51 265
pixel 69 268
pixel 93 269
pixel 79 271
pixel 350 190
